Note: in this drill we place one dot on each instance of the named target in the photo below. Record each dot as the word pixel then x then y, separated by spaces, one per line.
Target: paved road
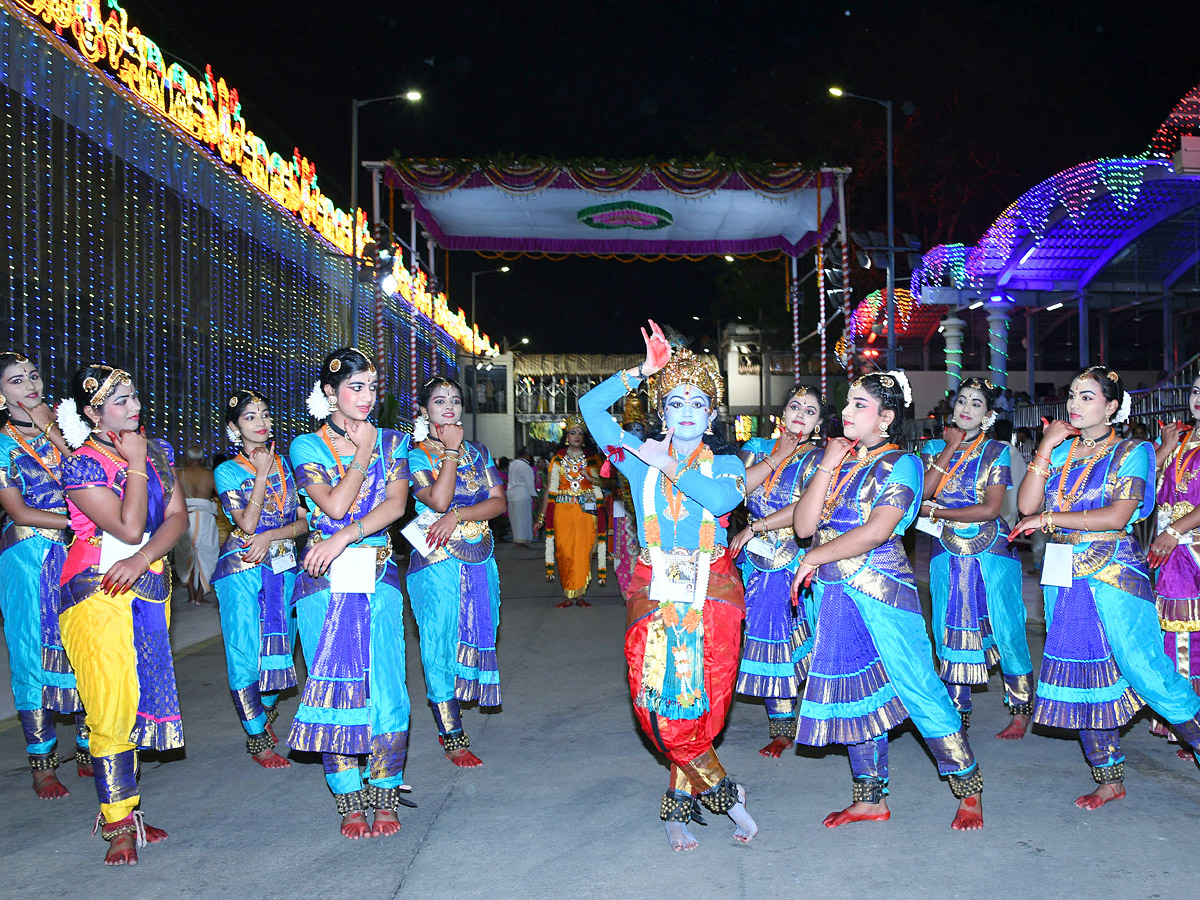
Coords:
pixel 567 802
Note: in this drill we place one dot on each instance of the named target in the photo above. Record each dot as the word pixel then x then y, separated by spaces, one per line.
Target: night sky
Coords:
pixel 1002 96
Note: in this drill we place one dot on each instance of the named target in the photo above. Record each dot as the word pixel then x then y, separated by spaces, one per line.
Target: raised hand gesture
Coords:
pixel 130 444
pixel 658 350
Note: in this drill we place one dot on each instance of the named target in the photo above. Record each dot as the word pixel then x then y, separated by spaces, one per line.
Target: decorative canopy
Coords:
pixel 1109 229
pixel 646 210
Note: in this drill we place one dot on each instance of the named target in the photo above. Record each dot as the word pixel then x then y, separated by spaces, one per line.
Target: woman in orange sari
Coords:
pixel 569 513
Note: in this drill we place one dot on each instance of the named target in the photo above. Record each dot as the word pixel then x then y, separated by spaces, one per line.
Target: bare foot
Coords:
pixel 776 747
pixel 859 812
pixel 153 835
pixel 970 814
pixel 1015 730
pixel 269 759
pixel 354 826
pixel 464 759
pixel 1103 793
pixel 680 837
pixel 582 602
pixel 47 786
pixel 747 828
pixel 122 851
pixel 601 580
pixel 386 823
pixel 271 732
pixel 85 770
pixel 563 604
pixel 1186 755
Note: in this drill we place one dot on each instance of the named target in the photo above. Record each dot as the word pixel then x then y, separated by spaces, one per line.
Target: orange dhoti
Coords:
pixel 574 542
pixel 687 742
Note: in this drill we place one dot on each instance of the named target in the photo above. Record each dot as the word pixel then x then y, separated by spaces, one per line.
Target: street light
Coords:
pixel 355 106
pixel 474 362
pixel 891 223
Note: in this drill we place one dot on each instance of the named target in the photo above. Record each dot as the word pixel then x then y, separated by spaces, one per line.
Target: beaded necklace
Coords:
pixel 773 478
pixel 831 498
pixel 1065 503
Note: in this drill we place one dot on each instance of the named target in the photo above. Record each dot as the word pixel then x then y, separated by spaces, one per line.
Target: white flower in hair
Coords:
pixel 1123 412
pixel 905 387
pixel 420 428
pixel 75 430
pixel 318 404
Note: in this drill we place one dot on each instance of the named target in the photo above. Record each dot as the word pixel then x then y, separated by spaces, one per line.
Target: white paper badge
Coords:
pixel 930 527
pixel 675 580
pixel 113 550
pixel 414 535
pixel 353 572
pixel 1056 567
pixel 763 548
pixel 618 509
pixel 589 505
pixel 282 555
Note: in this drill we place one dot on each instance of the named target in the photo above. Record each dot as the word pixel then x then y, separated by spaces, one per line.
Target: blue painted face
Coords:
pixel 688 410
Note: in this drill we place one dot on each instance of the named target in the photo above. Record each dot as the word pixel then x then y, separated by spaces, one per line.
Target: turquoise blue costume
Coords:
pixel 975 582
pixel 455 594
pixel 355 702
pixel 779 635
pixel 1104 656
pixel 31 561
pixel 257 605
pixel 872 661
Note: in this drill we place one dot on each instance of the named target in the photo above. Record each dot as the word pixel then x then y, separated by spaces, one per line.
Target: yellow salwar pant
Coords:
pixel 98 637
pixel 574 541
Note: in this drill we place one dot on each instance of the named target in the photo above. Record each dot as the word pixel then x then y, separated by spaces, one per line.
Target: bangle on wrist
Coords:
pixel 457 515
pixel 825 469
pixel 149 561
pixel 625 381
pixel 1170 529
pixel 640 372
pixel 355 464
pixel 1085 524
pixel 129 472
pixel 361 533
pixel 771 464
pixel 252 502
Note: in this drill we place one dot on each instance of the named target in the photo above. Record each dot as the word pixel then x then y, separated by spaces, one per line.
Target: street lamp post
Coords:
pixel 355 106
pixel 474 360
pixel 891 223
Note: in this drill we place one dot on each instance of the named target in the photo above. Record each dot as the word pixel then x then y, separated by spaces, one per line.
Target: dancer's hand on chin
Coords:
pixel 658 350
pixel 655 453
pixel 836 451
pixel 1057 432
pixel 40 415
pixel 953 437
pixel 361 434
pixel 451 436
pixel 130 444
pixel 262 458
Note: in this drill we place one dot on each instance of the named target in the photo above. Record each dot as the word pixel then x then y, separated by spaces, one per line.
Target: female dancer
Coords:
pixel 778 634
pixel 1101 662
pixel 1174 552
pixel 256 573
pixel 974 573
pixel 33 546
pixel 870 667
pixel 685 605
pixel 123 506
pixel 455 590
pixel 569 512
pixel 356 477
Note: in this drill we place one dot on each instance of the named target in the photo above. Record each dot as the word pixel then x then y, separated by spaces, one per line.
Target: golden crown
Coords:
pixel 685 367
pixel 574 420
pixel 633 412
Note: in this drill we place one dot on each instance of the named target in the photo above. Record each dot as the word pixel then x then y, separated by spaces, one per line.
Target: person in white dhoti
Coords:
pixel 521 493
pixel 197 551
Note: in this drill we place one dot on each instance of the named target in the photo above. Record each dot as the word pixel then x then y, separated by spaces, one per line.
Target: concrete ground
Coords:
pixel 567 801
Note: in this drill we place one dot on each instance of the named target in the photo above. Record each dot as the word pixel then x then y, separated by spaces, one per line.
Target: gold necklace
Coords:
pixel 95 444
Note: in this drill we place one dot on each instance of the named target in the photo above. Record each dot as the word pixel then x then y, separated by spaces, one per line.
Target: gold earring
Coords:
pixel 883 429
pixel 709 430
pixel 1107 420
pixel 816 433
